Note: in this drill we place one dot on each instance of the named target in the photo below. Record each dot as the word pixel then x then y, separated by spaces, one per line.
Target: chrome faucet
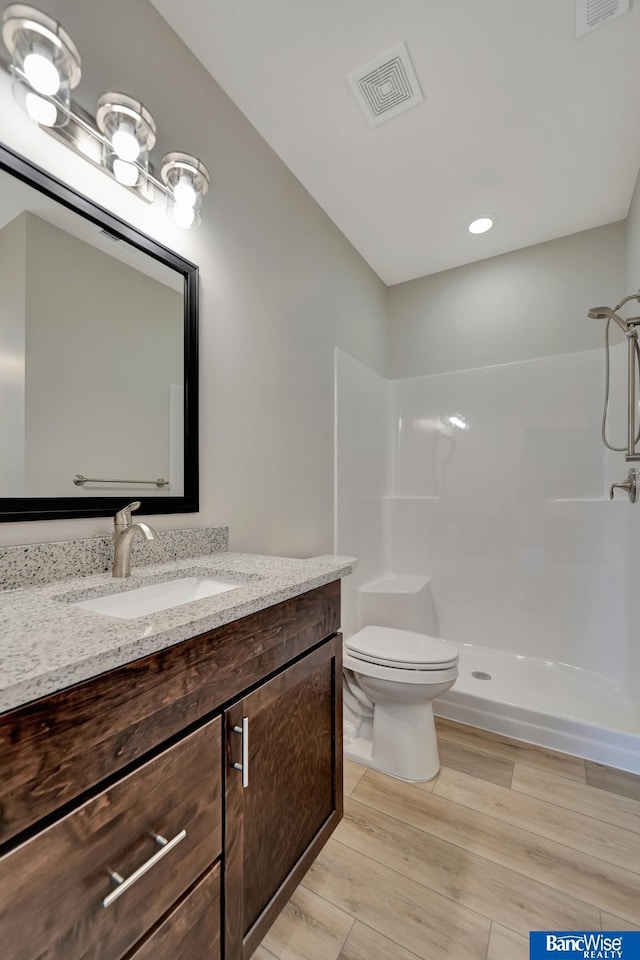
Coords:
pixel 124 530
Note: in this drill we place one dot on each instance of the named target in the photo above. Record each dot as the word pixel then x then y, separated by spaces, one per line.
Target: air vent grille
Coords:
pixel 110 236
pixel 591 14
pixel 387 86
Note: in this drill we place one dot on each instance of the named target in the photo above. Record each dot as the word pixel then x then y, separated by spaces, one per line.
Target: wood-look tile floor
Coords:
pixel 508 838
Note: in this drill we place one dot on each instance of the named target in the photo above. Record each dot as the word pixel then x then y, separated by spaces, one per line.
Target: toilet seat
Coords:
pixel 424 676
pixel 401 650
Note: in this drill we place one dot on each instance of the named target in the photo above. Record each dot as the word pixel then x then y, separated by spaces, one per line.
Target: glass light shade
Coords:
pixel 187 180
pixel 41 71
pixel 184 216
pixel 184 193
pixel 45 62
pixel 126 173
pixel 40 109
pixel 125 143
pixel 129 133
pixel 47 111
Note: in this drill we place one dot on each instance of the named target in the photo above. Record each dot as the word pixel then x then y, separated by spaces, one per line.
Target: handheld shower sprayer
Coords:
pixel 605 313
pixel 629 328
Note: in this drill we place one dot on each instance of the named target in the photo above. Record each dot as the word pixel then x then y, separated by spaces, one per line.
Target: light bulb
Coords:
pixel 186 180
pixel 481 225
pixel 184 193
pixel 125 143
pixel 126 173
pixel 41 72
pixel 184 216
pixel 41 110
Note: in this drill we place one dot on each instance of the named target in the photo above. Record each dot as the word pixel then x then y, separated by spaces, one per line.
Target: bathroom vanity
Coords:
pixel 168 807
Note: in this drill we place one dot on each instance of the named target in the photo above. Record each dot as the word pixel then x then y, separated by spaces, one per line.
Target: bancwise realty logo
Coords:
pixel 584 945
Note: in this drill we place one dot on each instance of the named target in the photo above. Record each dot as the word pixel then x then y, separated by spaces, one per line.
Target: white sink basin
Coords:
pixel 159 596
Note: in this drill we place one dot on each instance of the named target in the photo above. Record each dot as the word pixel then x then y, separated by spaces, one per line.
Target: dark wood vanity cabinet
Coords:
pixel 216 777
pixel 287 798
pixel 55 887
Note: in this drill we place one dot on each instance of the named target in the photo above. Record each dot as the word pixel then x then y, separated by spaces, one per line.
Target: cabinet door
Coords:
pixel 292 798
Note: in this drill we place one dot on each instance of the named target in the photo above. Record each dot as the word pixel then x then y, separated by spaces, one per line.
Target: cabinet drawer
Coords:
pixel 56 748
pixel 54 887
pixel 192 929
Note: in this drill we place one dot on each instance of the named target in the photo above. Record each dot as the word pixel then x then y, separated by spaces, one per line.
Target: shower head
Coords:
pixel 605 313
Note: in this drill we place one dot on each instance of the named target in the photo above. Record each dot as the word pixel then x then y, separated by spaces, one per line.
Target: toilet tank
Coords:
pixel 401 600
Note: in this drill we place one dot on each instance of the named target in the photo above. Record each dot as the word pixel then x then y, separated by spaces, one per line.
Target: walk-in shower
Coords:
pixel 529 565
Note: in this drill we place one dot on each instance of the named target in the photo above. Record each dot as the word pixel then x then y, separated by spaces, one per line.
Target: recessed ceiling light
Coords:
pixel 481 225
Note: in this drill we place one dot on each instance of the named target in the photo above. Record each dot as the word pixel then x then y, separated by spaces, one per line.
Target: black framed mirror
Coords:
pixel 98 358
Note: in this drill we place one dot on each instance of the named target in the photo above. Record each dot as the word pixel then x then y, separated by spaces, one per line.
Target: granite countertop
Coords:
pixel 47 644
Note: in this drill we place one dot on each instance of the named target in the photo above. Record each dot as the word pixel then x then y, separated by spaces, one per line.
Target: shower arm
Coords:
pixel 632 296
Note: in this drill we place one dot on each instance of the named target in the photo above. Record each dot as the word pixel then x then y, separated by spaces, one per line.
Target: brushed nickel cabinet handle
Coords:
pixel 124 883
pixel 244 766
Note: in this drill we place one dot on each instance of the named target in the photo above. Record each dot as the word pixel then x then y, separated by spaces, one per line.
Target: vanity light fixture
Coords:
pixel 45 63
pixel 46 67
pixel 129 133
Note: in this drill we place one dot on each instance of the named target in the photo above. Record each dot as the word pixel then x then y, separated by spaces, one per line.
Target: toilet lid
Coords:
pixel 402 649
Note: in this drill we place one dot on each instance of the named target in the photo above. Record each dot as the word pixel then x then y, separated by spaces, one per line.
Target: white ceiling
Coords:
pixel 519 118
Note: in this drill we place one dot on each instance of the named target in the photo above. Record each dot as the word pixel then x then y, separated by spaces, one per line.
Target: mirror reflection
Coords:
pixel 91 357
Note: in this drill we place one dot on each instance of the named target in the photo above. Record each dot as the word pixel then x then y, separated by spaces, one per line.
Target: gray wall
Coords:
pixel 280 286
pixel 519 306
pixel 633 242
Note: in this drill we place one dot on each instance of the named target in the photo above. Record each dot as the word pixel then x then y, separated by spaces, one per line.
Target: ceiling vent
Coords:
pixel 110 236
pixel 387 86
pixel 591 14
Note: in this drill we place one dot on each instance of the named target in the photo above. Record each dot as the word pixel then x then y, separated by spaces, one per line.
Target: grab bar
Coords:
pixel 80 481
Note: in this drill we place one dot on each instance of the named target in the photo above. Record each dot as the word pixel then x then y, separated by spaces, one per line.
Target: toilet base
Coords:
pixel 405 743
pixel 360 752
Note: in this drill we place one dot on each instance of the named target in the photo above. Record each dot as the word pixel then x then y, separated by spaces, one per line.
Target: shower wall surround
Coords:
pixel 633 283
pixel 363 465
pixel 505 506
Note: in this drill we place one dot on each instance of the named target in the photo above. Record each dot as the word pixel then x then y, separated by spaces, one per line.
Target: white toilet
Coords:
pixel 391 677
